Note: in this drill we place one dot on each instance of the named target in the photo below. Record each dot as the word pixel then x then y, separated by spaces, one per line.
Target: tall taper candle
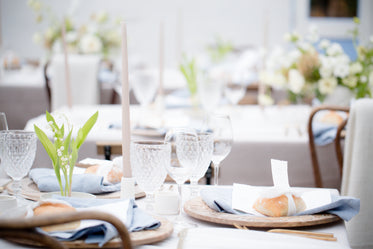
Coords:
pixel 67 69
pixel 126 129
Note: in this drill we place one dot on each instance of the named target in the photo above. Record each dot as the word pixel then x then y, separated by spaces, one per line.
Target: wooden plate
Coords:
pixel 198 209
pixel 30 191
pixel 137 238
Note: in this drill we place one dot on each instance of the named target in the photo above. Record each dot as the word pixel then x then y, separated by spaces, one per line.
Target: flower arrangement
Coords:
pixel 64 151
pixel 315 68
pixel 99 35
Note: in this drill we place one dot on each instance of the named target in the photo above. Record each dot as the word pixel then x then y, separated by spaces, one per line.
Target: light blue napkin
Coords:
pixel 137 220
pixel 46 181
pixel 221 201
pixel 323 133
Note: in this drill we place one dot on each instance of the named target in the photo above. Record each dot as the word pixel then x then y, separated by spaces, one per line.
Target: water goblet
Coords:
pixel 148 162
pixel 206 148
pixel 221 127
pixel 3 122
pixel 18 153
pixel 234 92
pixel 184 156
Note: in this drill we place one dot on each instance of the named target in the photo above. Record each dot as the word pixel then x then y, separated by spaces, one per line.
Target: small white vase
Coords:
pixel 50 195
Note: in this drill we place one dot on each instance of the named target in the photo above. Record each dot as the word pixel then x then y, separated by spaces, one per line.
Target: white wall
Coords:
pixel 189 24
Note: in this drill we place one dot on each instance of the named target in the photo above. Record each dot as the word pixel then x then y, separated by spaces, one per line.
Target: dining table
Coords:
pixel 210 234
pixel 259 135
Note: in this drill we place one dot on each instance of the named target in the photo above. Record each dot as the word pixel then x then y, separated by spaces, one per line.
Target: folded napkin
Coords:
pixel 221 200
pixel 46 181
pixel 324 133
pixel 99 231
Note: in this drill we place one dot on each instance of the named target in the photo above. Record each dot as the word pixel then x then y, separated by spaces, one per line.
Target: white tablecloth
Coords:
pixel 259 135
pixel 210 235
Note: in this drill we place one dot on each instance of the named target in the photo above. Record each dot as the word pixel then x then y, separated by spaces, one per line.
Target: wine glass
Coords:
pixel 19 148
pixel 206 148
pixel 148 162
pixel 234 92
pixel 209 91
pixel 144 85
pixel 221 127
pixel 3 122
pixel 184 156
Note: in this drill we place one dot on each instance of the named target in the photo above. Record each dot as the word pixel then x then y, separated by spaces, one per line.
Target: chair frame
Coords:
pixel 337 141
pixel 25 228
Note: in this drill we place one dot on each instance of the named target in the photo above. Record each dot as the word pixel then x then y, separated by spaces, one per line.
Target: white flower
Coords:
pixel 305 46
pixel 356 68
pixel 350 81
pixel 296 81
pixel 363 78
pixel 371 79
pixel 287 37
pixel 324 44
pixel 265 100
pixel 326 71
pixel 341 70
pixel 90 44
pixel 334 49
pixel 327 85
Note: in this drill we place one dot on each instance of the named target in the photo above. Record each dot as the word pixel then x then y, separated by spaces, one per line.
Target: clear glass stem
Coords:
pixel 16 188
pixel 179 188
pixel 149 202
pixel 193 188
pixel 216 173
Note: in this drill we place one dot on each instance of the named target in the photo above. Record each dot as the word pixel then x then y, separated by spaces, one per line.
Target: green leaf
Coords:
pixel 48 145
pixel 83 132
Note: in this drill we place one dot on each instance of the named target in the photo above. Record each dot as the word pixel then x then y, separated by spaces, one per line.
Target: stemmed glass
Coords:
pixel 221 127
pixel 144 85
pixel 209 91
pixel 3 122
pixel 148 162
pixel 206 148
pixel 234 92
pixel 184 156
pixel 19 149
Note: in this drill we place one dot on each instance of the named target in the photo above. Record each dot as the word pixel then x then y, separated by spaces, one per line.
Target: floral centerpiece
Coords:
pixel 64 150
pixel 314 68
pixel 99 35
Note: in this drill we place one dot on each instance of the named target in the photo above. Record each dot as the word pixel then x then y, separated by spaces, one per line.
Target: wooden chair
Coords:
pixel 23 230
pixel 337 141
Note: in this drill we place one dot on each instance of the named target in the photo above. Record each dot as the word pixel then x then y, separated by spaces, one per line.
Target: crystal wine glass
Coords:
pixel 206 148
pixel 3 122
pixel 209 91
pixel 221 127
pixel 148 162
pixel 19 148
pixel 184 156
pixel 234 92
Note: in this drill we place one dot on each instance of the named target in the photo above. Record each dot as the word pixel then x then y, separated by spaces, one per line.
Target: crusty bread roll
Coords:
pixel 111 174
pixel 278 206
pixel 56 207
pixel 332 117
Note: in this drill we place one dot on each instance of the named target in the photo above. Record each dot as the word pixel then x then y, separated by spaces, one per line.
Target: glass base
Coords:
pixel 181 224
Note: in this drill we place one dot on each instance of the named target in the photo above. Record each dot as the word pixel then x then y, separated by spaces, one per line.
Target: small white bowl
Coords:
pixel 50 195
pixel 7 202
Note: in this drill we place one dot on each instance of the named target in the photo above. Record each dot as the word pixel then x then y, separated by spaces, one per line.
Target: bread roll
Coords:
pixel 111 174
pixel 52 208
pixel 278 206
pixel 332 117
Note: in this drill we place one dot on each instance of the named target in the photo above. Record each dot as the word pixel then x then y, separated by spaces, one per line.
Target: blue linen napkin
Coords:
pixel 137 220
pixel 221 201
pixel 46 181
pixel 323 133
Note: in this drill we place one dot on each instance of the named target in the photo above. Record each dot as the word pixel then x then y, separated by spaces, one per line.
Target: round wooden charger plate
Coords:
pixel 198 209
pixel 30 191
pixel 137 238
